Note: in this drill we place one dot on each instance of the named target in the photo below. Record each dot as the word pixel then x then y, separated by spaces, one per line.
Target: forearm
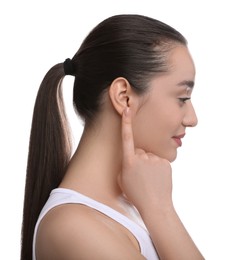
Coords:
pixel 169 235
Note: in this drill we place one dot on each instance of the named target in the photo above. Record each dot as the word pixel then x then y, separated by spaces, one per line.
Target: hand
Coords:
pixel 146 179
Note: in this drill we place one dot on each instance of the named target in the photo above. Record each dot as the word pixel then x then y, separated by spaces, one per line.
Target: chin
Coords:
pixel 167 154
pixel 171 157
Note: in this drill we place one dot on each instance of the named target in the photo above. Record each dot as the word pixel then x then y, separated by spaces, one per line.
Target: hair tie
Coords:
pixel 69 67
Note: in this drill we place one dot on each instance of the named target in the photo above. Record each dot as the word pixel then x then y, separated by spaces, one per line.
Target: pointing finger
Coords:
pixel 127 135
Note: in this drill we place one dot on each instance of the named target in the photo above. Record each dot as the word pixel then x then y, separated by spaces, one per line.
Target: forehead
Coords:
pixel 180 61
pixel 180 74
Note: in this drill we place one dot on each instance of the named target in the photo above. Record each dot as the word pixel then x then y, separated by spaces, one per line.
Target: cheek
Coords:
pixel 153 131
pixel 148 131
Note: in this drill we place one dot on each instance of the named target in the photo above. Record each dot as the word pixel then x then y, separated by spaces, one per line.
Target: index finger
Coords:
pixel 127 135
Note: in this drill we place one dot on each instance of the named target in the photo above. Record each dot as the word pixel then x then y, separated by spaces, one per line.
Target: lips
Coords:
pixel 178 138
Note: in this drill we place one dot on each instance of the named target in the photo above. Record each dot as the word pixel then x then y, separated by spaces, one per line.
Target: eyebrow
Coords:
pixel 188 83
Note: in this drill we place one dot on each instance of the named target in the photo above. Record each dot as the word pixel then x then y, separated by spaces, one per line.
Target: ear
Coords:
pixel 122 95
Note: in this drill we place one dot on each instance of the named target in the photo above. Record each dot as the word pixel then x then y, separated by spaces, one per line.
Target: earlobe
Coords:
pixel 120 94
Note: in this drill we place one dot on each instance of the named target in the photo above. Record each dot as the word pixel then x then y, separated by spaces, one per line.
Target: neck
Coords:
pixel 96 164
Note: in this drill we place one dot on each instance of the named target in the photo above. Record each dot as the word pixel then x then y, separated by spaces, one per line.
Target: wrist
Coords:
pixel 157 211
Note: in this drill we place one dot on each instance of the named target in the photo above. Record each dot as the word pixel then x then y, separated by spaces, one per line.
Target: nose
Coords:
pixel 190 118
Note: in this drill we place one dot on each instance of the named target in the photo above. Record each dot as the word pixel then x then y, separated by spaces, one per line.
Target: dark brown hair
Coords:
pixel 131 46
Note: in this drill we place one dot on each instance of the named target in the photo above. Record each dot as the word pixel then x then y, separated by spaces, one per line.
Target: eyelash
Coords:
pixel 183 100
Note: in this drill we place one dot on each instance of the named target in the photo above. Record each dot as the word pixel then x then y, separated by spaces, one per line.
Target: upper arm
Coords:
pixel 77 232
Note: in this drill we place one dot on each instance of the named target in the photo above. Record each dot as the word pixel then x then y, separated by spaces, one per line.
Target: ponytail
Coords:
pixel 49 152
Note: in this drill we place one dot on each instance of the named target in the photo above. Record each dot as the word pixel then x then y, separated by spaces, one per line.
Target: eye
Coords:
pixel 183 100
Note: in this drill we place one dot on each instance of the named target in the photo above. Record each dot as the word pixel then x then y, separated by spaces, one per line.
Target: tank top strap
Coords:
pixel 60 196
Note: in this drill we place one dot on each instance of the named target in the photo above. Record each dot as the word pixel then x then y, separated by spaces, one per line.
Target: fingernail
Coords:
pixel 126 111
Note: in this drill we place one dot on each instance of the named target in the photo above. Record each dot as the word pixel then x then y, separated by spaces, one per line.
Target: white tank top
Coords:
pixel 135 225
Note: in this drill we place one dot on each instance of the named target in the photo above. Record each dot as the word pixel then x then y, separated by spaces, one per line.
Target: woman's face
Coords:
pixel 166 111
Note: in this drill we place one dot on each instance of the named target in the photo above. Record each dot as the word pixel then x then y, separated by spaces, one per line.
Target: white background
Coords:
pixel 35 35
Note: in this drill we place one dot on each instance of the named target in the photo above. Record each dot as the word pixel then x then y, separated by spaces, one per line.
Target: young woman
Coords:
pixel 112 199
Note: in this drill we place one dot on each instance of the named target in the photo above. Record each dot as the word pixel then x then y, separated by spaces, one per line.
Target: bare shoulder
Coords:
pixel 74 231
